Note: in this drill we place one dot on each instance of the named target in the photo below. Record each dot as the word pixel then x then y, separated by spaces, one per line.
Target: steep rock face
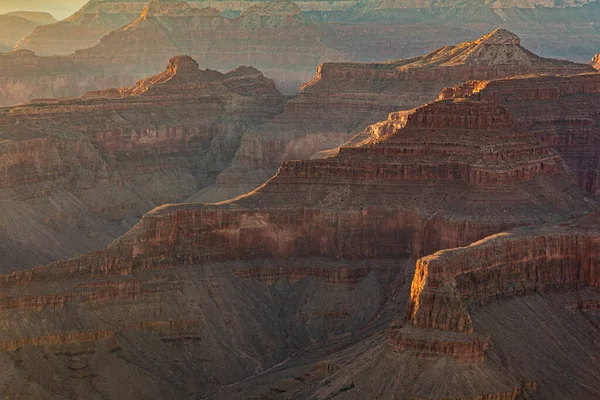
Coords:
pixel 487 321
pixel 313 260
pixel 78 172
pixel 343 98
pixel 83 29
pixel 596 61
pixel 506 265
pixel 561 111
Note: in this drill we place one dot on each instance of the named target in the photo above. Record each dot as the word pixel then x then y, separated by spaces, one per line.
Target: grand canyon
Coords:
pixel 190 211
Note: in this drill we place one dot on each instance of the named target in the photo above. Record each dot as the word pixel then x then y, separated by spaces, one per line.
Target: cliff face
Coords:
pixel 596 61
pixel 561 111
pixel 315 260
pixel 79 172
pixel 482 322
pixel 344 97
pixel 231 299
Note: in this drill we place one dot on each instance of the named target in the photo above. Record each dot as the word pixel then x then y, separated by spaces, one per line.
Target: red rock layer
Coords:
pixel 596 61
pixel 344 97
pixel 458 171
pixel 441 176
pixel 517 263
pixel 76 165
pixel 561 111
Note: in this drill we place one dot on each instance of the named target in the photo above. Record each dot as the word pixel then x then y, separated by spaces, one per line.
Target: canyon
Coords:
pixel 345 97
pixel 423 228
pixel 143 44
pixel 326 282
pixel 78 172
pixel 101 45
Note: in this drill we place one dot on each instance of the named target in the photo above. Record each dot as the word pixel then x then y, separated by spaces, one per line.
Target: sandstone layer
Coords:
pixel 76 173
pixel 561 111
pixel 493 320
pixel 344 98
pixel 197 299
pixel 596 61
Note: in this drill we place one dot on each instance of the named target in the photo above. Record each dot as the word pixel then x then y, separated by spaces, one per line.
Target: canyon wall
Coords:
pixel 561 111
pixel 345 97
pixel 77 173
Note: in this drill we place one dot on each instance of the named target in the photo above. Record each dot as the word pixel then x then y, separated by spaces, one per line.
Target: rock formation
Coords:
pixel 272 36
pixel 344 98
pixel 78 172
pixel 40 18
pixel 561 111
pixel 596 61
pixel 301 277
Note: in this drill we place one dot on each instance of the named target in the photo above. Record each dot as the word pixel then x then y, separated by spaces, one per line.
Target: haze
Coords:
pixel 60 9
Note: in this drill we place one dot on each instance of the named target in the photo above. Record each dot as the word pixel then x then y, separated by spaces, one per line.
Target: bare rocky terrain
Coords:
pixel 426 228
pixel 76 173
pixel 308 287
pixel 343 98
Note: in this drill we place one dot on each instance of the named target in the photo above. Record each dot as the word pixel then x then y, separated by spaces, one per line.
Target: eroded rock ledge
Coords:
pixel 562 111
pixel 515 263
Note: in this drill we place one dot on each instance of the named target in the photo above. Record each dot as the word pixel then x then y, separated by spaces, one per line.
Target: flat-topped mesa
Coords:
pixel 562 111
pixel 517 263
pixel 181 71
pixel 596 61
pixel 184 78
pixel 498 54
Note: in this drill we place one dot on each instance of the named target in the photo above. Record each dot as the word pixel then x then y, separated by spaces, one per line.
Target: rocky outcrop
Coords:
pixel 596 61
pixel 343 98
pixel 504 265
pixel 78 172
pixel 561 111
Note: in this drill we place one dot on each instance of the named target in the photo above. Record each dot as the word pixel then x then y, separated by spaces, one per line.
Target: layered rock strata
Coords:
pixel 344 98
pixel 76 173
pixel 313 261
pixel 273 37
pixel 561 111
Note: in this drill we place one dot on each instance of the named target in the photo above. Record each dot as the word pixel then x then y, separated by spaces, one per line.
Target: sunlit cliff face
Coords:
pixel 58 8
